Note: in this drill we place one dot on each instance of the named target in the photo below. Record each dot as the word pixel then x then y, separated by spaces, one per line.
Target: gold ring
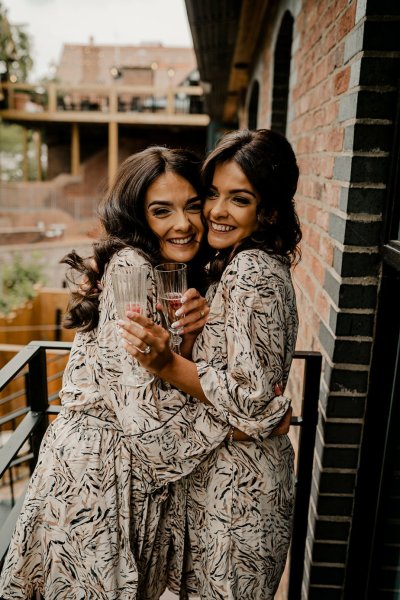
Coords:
pixel 202 313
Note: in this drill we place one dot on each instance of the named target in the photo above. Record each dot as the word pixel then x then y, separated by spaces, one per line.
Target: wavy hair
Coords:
pixel 123 219
pixel 269 163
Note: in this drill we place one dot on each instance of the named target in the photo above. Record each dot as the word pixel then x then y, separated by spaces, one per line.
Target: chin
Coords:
pixel 219 244
pixel 180 255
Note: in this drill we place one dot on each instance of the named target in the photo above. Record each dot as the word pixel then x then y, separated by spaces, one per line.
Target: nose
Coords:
pixel 218 209
pixel 182 222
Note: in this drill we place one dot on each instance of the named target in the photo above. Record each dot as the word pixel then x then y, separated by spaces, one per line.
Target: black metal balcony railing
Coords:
pixel 35 422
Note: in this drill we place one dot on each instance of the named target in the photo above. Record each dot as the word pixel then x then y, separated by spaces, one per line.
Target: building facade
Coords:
pixel 326 73
pixel 144 64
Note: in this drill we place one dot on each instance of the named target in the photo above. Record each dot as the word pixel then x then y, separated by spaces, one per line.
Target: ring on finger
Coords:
pixel 147 350
pixel 202 314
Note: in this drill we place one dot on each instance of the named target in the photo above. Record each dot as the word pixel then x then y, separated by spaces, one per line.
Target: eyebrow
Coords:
pixel 169 203
pixel 237 191
pixel 163 202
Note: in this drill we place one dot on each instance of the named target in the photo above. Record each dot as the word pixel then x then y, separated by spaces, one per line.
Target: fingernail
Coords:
pixel 120 322
pixel 175 324
pixel 179 312
pixel 183 300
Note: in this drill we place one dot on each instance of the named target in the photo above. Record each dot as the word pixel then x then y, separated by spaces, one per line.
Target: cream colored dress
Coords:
pixel 97 523
pixel 240 498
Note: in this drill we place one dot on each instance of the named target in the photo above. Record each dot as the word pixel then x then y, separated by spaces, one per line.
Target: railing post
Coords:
pixel 38 398
pixel 52 98
pixel 312 375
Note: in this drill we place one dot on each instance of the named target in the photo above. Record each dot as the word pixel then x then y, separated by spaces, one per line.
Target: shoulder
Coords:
pixel 257 264
pixel 255 273
pixel 127 257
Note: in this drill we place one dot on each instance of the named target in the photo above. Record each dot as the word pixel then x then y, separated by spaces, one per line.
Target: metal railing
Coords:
pixel 35 417
pixel 35 422
pixel 107 98
pixel 307 420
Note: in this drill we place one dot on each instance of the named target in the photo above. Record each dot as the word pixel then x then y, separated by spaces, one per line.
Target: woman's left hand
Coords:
pixel 146 341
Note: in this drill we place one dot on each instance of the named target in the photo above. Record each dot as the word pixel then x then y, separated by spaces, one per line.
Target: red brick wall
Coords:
pixel 318 79
pixel 341 106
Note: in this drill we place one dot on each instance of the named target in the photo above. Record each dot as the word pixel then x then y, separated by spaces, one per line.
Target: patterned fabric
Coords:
pixel 240 499
pixel 94 525
pixel 104 516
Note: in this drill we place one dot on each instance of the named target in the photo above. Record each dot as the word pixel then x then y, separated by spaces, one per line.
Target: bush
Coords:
pixel 19 281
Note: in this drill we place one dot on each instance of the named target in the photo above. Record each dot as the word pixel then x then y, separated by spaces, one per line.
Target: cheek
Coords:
pixel 156 226
pixel 197 222
pixel 206 209
pixel 252 223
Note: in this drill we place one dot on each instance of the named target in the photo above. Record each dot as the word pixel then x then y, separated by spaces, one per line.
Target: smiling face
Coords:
pixel 173 212
pixel 230 207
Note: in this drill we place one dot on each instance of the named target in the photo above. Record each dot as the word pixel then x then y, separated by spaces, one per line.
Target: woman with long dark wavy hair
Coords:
pixel 240 499
pixel 96 523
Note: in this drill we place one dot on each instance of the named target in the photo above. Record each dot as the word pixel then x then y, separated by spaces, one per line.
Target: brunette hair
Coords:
pixel 269 163
pixel 122 216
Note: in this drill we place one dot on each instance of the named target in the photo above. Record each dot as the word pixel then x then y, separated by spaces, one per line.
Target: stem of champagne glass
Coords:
pixel 176 343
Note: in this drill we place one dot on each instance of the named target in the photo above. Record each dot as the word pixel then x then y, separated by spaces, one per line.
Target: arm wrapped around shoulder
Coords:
pixel 260 328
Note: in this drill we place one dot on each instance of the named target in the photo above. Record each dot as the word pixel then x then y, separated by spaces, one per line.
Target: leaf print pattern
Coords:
pixel 104 516
pixel 240 499
pixel 96 524
pixel 72 538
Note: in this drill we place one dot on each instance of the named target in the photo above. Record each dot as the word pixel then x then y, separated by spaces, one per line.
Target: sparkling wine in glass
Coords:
pixel 171 284
pixel 130 293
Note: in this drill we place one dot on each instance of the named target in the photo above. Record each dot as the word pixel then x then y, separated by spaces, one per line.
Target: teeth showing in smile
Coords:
pixel 181 241
pixel 220 227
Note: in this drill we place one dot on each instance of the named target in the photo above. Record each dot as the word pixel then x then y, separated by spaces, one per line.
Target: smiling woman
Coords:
pixel 173 211
pixel 240 498
pixel 230 207
pixel 95 523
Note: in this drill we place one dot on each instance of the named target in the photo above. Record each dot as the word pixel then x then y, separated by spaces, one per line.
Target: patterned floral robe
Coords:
pixel 240 498
pixel 99 512
pixel 97 523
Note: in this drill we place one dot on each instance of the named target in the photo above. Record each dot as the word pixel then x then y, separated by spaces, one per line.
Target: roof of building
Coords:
pixel 150 64
pixel 225 35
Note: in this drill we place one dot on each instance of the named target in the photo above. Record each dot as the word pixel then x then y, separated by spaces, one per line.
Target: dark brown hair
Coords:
pixel 269 163
pixel 122 215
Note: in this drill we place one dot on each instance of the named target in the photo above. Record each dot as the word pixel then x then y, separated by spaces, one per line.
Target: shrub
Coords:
pixel 19 280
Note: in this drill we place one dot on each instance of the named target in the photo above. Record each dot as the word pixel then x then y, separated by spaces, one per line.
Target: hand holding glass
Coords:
pixel 171 284
pixel 130 293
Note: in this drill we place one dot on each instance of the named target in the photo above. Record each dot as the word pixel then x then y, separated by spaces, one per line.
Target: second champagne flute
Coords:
pixel 130 293
pixel 171 282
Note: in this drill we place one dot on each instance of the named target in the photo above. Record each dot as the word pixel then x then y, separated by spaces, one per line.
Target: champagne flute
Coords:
pixel 130 293
pixel 171 284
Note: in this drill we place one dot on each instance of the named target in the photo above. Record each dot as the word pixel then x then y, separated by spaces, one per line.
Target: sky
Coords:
pixel 50 23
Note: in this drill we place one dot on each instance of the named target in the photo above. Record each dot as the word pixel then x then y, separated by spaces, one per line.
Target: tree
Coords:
pixel 15 50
